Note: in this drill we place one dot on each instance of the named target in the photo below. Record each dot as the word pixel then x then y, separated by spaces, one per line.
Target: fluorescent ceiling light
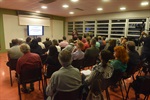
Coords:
pixel 144 3
pixel 37 11
pixel 71 12
pixel 99 9
pixel 65 6
pixel 44 7
pixel 123 8
pixel 74 0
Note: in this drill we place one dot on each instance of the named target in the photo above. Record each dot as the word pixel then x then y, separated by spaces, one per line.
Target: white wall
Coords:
pixel 13 30
pixel 122 15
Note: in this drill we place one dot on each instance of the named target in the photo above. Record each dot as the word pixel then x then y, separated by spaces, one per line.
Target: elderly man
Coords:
pixel 134 58
pixel 66 79
pixel 31 59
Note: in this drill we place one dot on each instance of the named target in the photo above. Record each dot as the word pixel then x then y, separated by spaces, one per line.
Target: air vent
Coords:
pixel 79 9
pixel 47 1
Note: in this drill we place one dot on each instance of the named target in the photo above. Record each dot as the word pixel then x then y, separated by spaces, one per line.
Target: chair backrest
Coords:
pixel 73 95
pixel 117 76
pixel 141 85
pixel 12 63
pixel 50 70
pixel 30 73
pixel 89 61
pixel 77 63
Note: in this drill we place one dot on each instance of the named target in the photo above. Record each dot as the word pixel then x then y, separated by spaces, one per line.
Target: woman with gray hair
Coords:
pixel 66 79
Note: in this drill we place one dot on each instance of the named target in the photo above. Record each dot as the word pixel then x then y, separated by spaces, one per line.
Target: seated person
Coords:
pixel 52 60
pixel 100 72
pixel 91 54
pixel 121 59
pixel 104 68
pixel 35 47
pixel 78 54
pixel 14 52
pixel 66 79
pixel 29 58
pixel 134 57
pixel 63 43
pixel 40 42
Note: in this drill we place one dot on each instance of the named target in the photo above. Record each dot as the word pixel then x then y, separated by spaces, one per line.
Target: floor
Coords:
pixel 11 93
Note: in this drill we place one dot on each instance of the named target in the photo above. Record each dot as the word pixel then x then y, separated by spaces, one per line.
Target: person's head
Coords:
pixel 112 43
pixel 121 54
pixel 55 42
pixel 24 48
pixel 74 30
pixel 64 38
pixel 34 43
pixel 80 45
pixel 15 41
pixel 28 39
pixel 105 56
pixel 96 38
pixel 80 37
pixel 47 39
pixel 65 58
pixel 39 39
pixel 130 46
pixel 53 50
pixel 93 42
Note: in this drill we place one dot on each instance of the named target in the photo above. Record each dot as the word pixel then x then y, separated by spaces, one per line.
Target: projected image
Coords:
pixel 35 30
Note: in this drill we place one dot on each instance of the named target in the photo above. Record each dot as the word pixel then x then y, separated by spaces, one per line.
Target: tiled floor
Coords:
pixel 11 93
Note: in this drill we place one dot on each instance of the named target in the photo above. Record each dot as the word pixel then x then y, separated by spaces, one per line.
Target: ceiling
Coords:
pixel 82 7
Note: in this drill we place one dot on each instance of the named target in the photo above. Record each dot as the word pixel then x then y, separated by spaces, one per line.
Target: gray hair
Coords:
pixel 65 58
pixel 131 45
pixel 24 48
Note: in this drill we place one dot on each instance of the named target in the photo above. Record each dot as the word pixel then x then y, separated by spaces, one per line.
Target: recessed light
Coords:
pixel 71 12
pixel 99 9
pixel 44 7
pixel 123 8
pixel 74 0
pixel 37 11
pixel 105 0
pixel 65 6
pixel 144 3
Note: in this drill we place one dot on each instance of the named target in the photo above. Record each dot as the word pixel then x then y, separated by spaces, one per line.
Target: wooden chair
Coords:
pixel 12 63
pixel 29 75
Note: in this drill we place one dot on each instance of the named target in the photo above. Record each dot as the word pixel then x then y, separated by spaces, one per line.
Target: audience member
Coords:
pixel 71 46
pixel 52 59
pixel 134 58
pixel 121 59
pixel 146 46
pixel 28 40
pixel 27 60
pixel 35 47
pixel 66 79
pixel 47 43
pixel 103 68
pixel 40 42
pixel 14 52
pixel 97 43
pixel 63 43
pixel 91 54
pixel 78 54
pixel 55 43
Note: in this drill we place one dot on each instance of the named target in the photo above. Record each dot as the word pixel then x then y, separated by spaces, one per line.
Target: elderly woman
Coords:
pixel 66 79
